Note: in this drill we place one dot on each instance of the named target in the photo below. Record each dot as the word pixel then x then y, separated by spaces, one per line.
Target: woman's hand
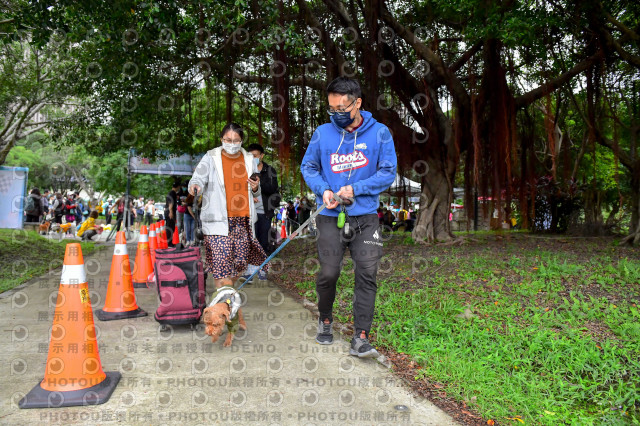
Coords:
pixel 195 188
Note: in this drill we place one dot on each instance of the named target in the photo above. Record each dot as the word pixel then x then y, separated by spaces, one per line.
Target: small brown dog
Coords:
pixel 219 313
pixel 44 227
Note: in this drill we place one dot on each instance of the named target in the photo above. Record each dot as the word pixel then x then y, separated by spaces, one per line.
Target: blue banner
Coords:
pixel 13 190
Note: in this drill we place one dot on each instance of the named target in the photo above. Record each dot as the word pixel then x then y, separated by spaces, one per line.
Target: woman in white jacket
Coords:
pixel 228 213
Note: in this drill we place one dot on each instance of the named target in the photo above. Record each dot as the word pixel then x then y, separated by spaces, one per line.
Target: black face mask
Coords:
pixel 343 119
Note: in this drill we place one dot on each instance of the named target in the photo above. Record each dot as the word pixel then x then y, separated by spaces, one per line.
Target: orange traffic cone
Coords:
pixel 142 265
pixel 153 243
pixel 73 374
pixel 176 237
pixel 120 302
pixel 283 232
pixel 159 234
pixel 163 236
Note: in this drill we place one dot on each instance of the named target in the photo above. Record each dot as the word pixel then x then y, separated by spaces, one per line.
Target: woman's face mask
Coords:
pixel 230 147
pixel 231 142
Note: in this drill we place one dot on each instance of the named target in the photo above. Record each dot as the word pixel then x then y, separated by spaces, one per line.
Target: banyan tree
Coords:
pixel 515 100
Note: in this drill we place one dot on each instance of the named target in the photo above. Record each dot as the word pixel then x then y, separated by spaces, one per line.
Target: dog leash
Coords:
pixel 343 201
pixel 198 234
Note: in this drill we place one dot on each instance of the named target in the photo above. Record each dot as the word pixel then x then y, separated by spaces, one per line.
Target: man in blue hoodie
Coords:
pixel 352 156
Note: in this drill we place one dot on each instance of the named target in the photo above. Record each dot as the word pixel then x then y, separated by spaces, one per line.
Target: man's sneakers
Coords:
pixel 325 333
pixel 361 347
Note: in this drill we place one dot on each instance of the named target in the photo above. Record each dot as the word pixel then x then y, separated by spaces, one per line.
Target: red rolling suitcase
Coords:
pixel 181 285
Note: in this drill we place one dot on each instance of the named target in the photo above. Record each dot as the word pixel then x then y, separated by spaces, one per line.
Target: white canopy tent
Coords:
pixel 403 186
pixel 404 189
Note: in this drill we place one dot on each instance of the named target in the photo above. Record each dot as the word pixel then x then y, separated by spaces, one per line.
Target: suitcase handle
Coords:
pixel 178 283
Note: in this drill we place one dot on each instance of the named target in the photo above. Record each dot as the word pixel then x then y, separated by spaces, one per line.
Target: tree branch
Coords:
pixel 297 81
pixel 454 67
pixel 625 159
pixel 17 125
pixel 30 131
pixel 339 10
pixel 334 55
pixel 435 62
pixel 37 123
pixel 404 84
pixel 9 120
pixel 612 43
pixel 629 33
pixel 553 84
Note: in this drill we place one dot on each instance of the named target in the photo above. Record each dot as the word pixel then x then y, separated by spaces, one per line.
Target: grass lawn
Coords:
pixel 513 327
pixel 26 254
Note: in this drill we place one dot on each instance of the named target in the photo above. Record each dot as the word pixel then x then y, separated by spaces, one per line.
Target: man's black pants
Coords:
pixel 365 244
pixel 262 232
pixel 170 227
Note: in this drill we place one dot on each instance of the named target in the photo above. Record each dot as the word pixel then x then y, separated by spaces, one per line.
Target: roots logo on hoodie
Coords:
pixel 342 162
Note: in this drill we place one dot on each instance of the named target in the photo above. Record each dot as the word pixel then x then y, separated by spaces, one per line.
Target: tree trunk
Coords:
pixel 442 157
pixel 433 223
pixel 282 135
pixel 5 147
pixel 611 220
pixel 14 125
pixel 593 222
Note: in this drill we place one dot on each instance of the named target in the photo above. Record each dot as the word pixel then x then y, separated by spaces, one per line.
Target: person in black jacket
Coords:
pixel 304 210
pixel 292 218
pixel 270 200
pixel 33 207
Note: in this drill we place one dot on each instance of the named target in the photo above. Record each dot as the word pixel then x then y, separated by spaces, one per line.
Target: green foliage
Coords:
pixel 168 75
pixel 35 78
pixel 144 64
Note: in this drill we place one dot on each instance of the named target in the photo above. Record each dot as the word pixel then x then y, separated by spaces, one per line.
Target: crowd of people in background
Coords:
pixel 56 207
pixel 79 216
pixel 396 218
pixel 296 212
pixel 178 211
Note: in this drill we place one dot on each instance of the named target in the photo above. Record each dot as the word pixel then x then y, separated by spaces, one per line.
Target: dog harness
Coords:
pixel 230 296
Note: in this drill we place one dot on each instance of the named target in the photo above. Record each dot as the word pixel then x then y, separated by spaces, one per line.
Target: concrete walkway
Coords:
pixel 274 373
